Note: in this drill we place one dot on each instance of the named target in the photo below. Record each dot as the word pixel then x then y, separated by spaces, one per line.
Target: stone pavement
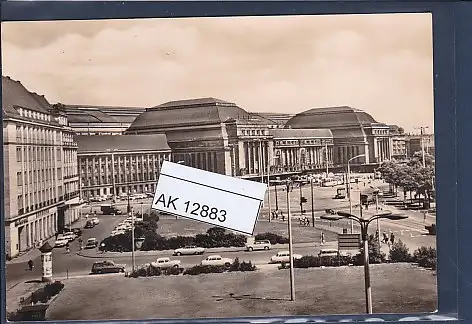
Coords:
pixel 22 289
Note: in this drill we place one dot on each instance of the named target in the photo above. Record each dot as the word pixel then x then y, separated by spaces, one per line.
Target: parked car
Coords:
pixel 284 256
pixel 61 242
pixel 188 250
pixel 89 224
pixel 117 232
pixel 217 260
pixel 164 263
pixel 77 231
pixel 258 245
pixel 95 220
pixel 69 236
pixel 328 253
pixel 107 266
pixel 92 243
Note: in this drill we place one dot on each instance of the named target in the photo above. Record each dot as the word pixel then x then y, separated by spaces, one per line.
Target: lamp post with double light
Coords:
pixel 364 223
pixel 290 243
pixel 349 186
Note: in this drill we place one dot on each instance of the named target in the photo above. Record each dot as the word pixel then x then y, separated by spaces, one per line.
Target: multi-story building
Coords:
pixel 355 132
pixel 101 120
pixel 399 147
pixel 112 165
pixel 41 189
pixel 214 135
pixel 414 144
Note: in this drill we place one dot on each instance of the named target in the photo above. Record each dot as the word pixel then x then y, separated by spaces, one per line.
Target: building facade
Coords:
pixel 298 150
pixel 113 165
pixel 414 144
pixel 217 136
pixel 355 132
pixel 41 189
pixel 101 120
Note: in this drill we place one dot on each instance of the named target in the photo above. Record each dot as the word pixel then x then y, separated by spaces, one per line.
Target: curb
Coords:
pixel 159 252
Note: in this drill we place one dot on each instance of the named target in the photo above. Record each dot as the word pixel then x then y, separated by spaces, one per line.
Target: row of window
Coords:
pixel 36 176
pixel 380 131
pixel 88 181
pixel 296 142
pixel 253 132
pixel 40 154
pixel 37 135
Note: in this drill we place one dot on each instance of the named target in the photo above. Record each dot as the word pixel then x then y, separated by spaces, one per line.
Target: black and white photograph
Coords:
pixel 219 167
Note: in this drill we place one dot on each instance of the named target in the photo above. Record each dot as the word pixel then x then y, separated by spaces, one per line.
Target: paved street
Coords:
pixel 410 231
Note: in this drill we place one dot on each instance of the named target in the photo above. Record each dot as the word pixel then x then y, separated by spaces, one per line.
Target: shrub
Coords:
pixel 272 238
pixel 200 269
pixel 242 266
pixel 45 293
pixel 307 261
pixel 399 252
pixel 375 254
pixel 425 257
pixel 150 271
pixel 311 261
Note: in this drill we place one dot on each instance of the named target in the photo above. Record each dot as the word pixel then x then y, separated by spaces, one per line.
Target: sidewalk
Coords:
pixel 34 253
pixel 15 293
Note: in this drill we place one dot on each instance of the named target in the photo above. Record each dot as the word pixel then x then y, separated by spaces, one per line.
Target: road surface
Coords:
pixel 410 231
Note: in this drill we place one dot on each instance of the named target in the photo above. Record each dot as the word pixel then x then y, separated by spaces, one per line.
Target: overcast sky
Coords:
pixel 378 63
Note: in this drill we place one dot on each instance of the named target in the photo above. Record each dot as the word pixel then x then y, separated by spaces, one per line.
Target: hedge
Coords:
pixel 235 266
pixel 311 261
pixel 151 271
pixel 215 237
pixel 272 238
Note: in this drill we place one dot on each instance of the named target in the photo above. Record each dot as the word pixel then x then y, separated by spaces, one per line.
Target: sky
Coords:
pixel 382 64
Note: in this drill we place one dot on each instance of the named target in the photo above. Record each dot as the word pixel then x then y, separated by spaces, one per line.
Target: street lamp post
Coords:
pixel 133 243
pixel 312 203
pixel 268 184
pixel 376 194
pixel 364 223
pixel 290 245
pixel 349 186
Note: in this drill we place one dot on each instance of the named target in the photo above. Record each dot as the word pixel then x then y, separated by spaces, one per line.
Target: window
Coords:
pixel 58 154
pixel 19 179
pixel 18 154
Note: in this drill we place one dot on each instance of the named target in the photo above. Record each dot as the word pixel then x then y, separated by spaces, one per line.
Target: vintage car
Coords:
pixel 217 260
pixel 189 250
pixel 107 266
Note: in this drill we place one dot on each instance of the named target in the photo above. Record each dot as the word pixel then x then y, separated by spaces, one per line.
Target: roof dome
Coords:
pixel 194 112
pixel 331 117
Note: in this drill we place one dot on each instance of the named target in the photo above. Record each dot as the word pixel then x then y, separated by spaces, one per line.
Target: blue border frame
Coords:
pixel 452 24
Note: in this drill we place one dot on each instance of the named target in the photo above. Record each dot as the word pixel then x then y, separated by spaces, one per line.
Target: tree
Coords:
pixel 411 176
pixel 399 252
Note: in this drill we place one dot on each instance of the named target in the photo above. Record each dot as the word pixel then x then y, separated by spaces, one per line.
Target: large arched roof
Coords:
pixel 332 117
pixel 193 112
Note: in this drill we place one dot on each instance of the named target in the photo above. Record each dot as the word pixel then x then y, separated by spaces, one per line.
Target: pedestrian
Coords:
pixel 322 238
pixel 30 265
pixel 385 237
pixel 392 238
pixel 283 218
pixel 424 217
pixel 57 235
pixel 67 247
